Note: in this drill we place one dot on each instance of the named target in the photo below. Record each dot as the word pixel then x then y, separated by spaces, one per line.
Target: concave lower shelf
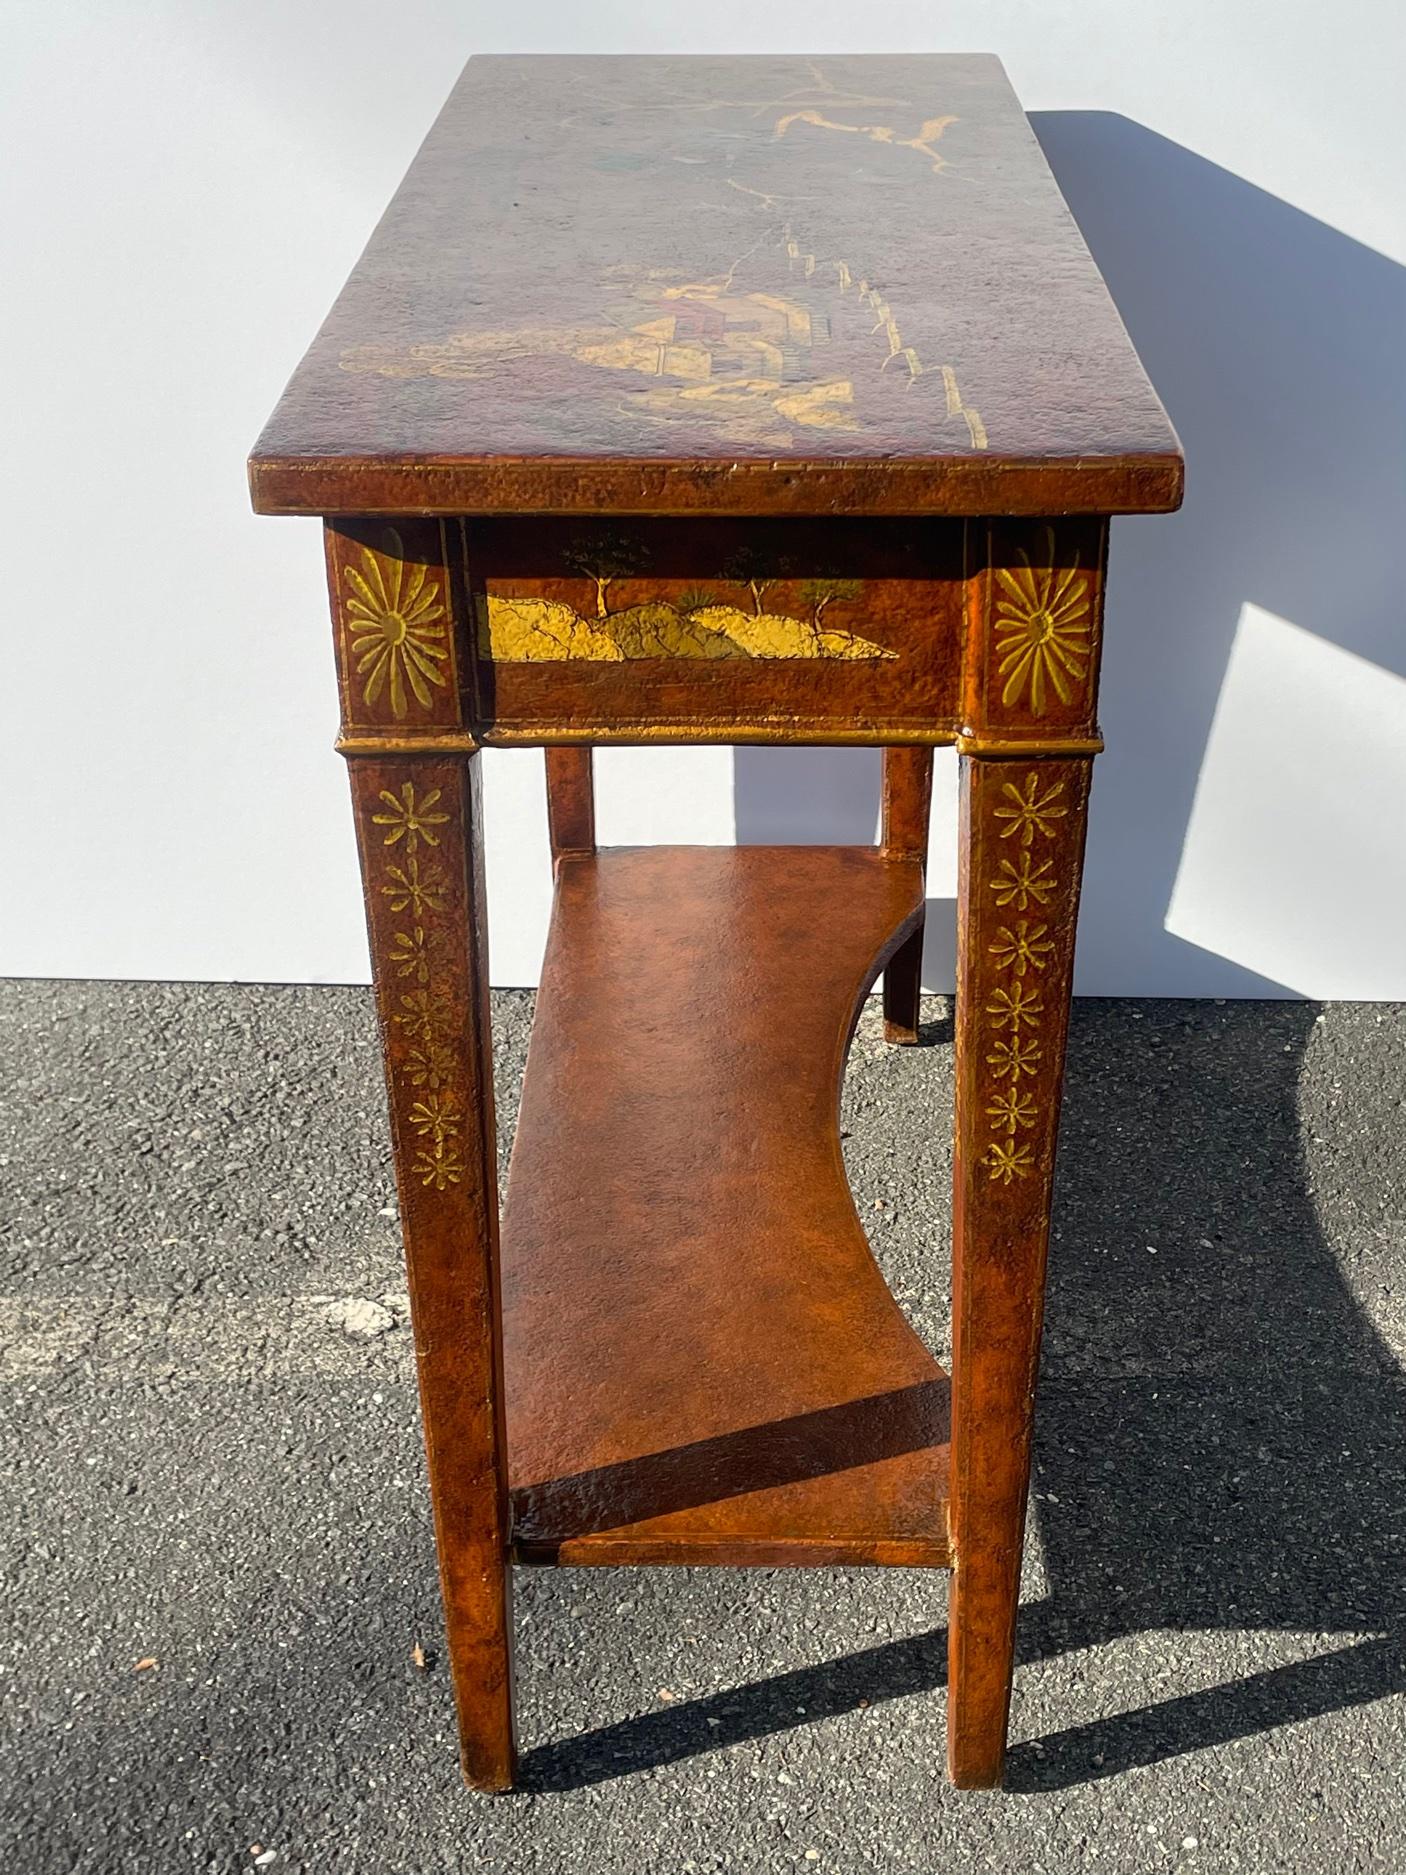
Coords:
pixel 704 1363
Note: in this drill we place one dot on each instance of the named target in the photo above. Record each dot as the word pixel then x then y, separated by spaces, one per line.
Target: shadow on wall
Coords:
pixel 1276 345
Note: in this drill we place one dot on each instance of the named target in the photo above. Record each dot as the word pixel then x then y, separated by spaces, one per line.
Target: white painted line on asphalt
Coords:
pixel 142 1338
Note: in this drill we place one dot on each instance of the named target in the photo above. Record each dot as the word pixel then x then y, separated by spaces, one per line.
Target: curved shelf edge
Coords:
pixel 703 1361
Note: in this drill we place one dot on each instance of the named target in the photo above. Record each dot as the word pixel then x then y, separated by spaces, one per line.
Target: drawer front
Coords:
pixel 843 630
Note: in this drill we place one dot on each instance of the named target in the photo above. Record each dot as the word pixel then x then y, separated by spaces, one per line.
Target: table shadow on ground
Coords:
pixel 1220 1437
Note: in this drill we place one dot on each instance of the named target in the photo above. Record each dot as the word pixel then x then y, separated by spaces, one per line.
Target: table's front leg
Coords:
pixel 418 827
pixel 1022 838
pixel 1035 617
pixel 401 636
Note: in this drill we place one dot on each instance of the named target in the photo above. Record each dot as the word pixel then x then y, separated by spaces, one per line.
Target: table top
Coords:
pixel 736 285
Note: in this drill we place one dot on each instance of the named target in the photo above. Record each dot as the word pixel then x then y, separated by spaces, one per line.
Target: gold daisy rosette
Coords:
pixel 396 619
pixel 1042 626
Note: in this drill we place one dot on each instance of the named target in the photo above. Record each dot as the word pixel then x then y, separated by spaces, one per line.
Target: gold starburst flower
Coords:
pixel 410 890
pixel 437 1115
pixel 396 620
pixel 418 1016
pixel 1013 1058
pixel 1018 884
pixel 1042 626
pixel 410 822
pixel 1007 1161
pixel 411 954
pixel 1030 812
pixel 431 1065
pixel 1012 1110
pixel 439 1168
pixel 1024 947
pixel 1016 1005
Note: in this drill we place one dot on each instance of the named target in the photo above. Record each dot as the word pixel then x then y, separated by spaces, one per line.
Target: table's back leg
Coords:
pixel 1022 839
pixel 571 802
pixel 418 822
pixel 907 802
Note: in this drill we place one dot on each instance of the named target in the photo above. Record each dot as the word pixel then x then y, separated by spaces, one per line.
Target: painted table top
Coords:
pixel 732 285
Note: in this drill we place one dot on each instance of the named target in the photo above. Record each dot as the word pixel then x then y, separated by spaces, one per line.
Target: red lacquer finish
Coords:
pixel 720 400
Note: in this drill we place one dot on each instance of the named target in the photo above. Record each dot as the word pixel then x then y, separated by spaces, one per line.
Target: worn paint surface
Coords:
pixel 746 286
pixel 725 622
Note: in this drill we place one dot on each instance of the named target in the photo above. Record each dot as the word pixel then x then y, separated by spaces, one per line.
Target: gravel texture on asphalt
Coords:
pixel 217 1555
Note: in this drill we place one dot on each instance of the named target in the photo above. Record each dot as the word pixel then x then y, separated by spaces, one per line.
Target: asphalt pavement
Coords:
pixel 220 1644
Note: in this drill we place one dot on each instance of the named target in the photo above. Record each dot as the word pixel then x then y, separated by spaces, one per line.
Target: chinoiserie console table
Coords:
pixel 719 400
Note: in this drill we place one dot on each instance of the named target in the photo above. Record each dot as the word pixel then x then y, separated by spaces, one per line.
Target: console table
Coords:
pixel 719 400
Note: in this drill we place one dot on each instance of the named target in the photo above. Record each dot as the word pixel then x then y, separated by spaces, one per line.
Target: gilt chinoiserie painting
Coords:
pixel 749 610
pixel 673 620
pixel 772 285
pixel 780 344
pixel 847 620
pixel 754 318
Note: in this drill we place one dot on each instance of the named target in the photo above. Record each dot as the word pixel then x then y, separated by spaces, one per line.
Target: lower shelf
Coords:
pixel 703 1361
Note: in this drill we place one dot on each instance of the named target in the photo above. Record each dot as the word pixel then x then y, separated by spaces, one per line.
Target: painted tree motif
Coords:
pixel 818 593
pixel 604 558
pixel 756 571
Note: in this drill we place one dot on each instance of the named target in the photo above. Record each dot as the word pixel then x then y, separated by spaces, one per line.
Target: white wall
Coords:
pixel 185 187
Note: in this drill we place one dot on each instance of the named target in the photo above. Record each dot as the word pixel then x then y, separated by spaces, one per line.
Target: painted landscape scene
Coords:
pixel 744 614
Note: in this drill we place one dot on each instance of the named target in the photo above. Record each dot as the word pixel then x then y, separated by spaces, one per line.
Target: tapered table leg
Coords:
pixel 571 802
pixel 419 831
pixel 907 805
pixel 1022 837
